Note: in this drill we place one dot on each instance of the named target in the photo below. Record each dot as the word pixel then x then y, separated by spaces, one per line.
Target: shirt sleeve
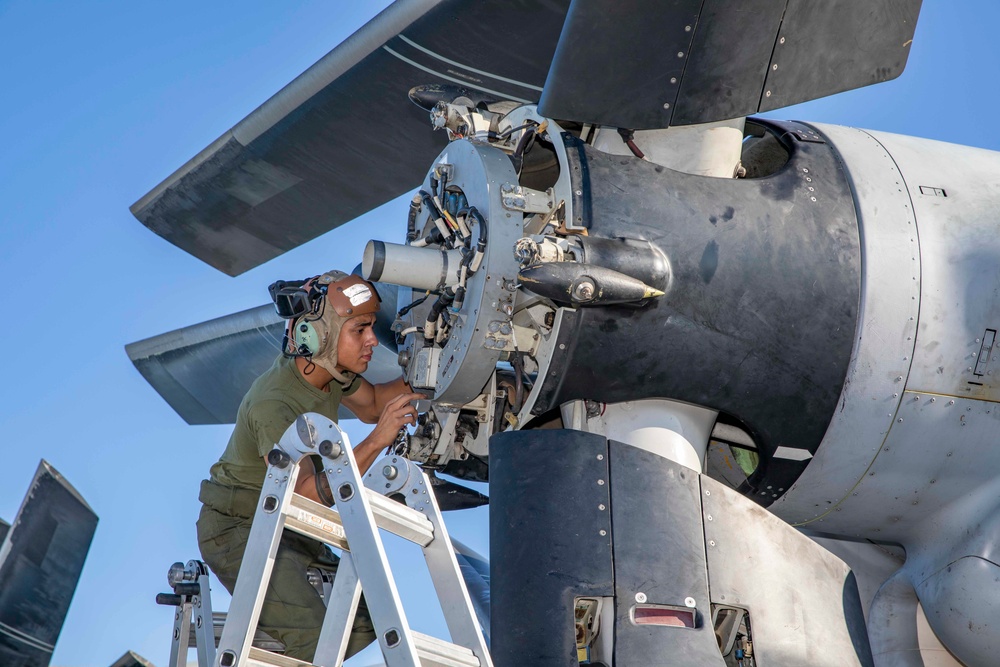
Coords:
pixel 268 422
pixel 353 387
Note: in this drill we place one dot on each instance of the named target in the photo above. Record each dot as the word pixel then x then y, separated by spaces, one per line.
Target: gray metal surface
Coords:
pixel 803 601
pixel 934 355
pixel 900 636
pixel 466 362
pixel 954 191
pixel 203 371
pixel 883 340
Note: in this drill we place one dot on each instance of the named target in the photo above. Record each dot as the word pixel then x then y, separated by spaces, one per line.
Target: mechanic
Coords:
pixel 328 344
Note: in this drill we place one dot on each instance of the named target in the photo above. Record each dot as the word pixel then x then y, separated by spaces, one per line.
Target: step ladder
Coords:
pixel 195 624
pixel 193 600
pixel 363 506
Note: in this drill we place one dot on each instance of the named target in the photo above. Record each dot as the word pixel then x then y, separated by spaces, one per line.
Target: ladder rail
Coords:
pixel 255 569
pixel 204 621
pixel 341 610
pixel 354 504
pixel 363 508
pixel 182 636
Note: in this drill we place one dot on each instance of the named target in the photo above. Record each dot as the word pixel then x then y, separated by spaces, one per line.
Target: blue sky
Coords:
pixel 99 102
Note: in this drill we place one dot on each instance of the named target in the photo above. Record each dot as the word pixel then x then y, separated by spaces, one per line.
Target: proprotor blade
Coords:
pixel 643 64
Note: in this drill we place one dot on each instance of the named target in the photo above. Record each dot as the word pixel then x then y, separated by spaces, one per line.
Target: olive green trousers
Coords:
pixel 293 610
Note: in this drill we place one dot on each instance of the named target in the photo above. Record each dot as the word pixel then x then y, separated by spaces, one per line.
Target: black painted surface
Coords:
pixel 659 550
pixel 545 541
pixel 643 64
pixel 49 544
pixel 760 316
pixel 617 62
pixel 835 45
pixel 729 58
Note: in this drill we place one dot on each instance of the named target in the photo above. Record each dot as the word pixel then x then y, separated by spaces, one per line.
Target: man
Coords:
pixel 328 344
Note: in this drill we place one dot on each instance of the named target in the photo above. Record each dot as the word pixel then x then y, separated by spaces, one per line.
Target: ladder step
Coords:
pixel 324 524
pixel 261 658
pixel 401 519
pixel 434 652
pixel 260 639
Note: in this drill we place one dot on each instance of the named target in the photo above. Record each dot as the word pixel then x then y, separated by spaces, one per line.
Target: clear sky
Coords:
pixel 99 102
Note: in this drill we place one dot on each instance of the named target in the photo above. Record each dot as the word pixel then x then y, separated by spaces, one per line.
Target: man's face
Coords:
pixel 354 347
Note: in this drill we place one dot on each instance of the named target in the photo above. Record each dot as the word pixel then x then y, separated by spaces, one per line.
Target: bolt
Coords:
pixel 390 472
pixel 640 597
pixel 601 507
pixel 600 482
pixel 584 290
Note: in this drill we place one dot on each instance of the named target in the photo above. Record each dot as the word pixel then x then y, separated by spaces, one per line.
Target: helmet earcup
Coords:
pixel 306 336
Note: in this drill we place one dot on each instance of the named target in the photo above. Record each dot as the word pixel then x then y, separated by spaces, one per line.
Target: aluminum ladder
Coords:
pixel 362 508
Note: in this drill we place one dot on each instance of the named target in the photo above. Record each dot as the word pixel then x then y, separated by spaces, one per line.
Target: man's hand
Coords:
pixel 396 414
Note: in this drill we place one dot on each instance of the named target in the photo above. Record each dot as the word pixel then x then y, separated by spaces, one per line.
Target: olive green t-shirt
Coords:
pixel 273 403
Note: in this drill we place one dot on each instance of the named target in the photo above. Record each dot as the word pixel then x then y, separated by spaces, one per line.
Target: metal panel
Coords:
pixel 620 63
pixel 884 338
pixel 641 64
pixel 940 450
pixel 203 371
pixel 725 73
pixel 40 563
pixel 760 317
pixel 549 497
pixel 316 152
pixel 659 552
pixel 960 257
pixel 836 45
pixel 786 581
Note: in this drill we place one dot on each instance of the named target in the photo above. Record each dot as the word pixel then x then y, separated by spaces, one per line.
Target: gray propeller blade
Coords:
pixel 643 64
pixel 476 572
pixel 203 371
pixel 41 557
pixel 343 137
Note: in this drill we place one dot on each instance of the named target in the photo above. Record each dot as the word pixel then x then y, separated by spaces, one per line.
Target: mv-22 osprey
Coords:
pixel 731 380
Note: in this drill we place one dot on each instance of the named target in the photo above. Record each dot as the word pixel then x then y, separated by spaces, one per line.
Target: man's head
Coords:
pixel 336 331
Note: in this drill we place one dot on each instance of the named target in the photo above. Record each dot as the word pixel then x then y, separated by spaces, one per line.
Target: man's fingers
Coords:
pixel 405 398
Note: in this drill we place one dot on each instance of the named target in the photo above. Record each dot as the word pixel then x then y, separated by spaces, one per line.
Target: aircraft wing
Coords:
pixel 203 371
pixel 342 138
pixel 41 558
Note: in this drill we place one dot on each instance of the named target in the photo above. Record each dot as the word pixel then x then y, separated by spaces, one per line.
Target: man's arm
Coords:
pixel 396 414
pixel 369 401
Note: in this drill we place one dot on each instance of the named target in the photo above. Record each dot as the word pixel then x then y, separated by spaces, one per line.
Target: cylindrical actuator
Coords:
pixel 419 268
